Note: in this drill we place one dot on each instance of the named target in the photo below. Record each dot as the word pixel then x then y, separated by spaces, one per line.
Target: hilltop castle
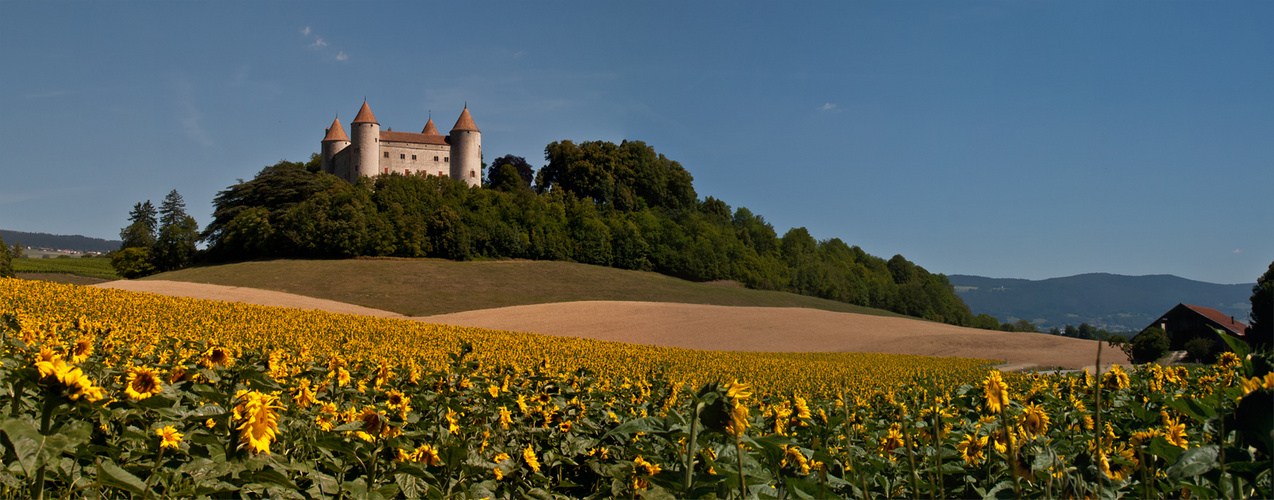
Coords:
pixel 374 151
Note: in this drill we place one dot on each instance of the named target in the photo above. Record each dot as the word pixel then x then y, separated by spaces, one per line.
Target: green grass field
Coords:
pixel 421 287
pixel 92 267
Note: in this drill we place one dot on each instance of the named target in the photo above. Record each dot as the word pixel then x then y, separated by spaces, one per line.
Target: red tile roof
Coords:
pixel 1226 321
pixel 336 132
pixel 365 115
pixel 465 122
pixel 430 129
pixel 414 138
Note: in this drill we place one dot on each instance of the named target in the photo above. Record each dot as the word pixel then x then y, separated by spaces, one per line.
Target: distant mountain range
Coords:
pixel 1109 301
pixel 59 242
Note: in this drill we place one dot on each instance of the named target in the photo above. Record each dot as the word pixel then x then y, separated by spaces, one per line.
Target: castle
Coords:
pixel 374 151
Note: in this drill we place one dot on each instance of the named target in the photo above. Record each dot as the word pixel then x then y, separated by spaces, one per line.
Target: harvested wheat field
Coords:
pixel 776 329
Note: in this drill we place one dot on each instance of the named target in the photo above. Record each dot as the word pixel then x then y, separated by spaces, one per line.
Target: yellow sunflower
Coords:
pixel 1035 420
pixel 82 350
pixel 997 394
pixel 142 382
pixel 528 456
pixel 738 423
pixel 971 449
pixel 169 437
pixel 216 356
pixel 259 421
pixel 1114 379
pixel 1175 432
pixel 892 439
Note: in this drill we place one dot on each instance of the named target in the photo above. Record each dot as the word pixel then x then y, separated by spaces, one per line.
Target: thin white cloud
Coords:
pixel 319 44
pixel 188 115
pixel 1237 251
pixel 828 107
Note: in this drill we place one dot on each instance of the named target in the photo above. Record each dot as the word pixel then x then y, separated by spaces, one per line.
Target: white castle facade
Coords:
pixel 369 151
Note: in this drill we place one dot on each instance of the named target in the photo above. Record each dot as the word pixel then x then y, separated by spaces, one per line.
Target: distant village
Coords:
pixel 53 253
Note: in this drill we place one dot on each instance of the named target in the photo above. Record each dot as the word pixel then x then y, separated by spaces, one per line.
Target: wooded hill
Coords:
pixel 60 242
pixel 619 205
pixel 1110 301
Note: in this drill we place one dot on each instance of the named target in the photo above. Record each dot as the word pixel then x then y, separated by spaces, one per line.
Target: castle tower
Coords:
pixel 366 132
pixel 333 143
pixel 430 129
pixel 466 150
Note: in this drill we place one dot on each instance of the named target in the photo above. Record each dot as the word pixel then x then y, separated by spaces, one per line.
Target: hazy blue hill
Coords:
pixel 1111 301
pixel 61 242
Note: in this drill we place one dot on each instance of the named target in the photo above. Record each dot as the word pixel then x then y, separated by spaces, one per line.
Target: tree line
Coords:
pixel 157 240
pixel 620 205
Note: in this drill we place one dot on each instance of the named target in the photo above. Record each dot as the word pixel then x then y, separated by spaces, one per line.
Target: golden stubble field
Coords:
pixel 694 326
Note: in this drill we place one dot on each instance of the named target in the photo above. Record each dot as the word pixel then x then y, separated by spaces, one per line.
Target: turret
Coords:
pixel 333 143
pixel 430 129
pixel 466 150
pixel 366 132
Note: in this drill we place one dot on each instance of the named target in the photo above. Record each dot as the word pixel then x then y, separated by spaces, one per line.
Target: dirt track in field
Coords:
pixel 708 327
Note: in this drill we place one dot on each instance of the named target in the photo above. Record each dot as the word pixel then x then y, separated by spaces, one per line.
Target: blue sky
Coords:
pixel 1005 139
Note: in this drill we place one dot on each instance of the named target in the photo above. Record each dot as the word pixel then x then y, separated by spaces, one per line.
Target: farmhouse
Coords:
pixel 1186 322
pixel 369 151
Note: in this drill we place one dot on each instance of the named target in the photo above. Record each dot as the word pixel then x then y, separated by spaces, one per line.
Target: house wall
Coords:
pixel 397 157
pixel 1183 325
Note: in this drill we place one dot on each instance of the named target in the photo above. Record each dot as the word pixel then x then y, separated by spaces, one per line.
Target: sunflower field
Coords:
pixel 111 394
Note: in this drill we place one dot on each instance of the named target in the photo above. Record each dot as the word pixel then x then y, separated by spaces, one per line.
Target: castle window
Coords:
pixel 472 174
pixel 435 158
pixel 402 156
pixel 387 170
pixel 447 159
pixel 413 157
pixel 387 154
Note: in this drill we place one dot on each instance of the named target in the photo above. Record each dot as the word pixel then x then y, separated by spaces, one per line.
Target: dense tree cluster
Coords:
pixel 1083 331
pixel 7 254
pixel 1261 331
pixel 157 240
pixel 596 203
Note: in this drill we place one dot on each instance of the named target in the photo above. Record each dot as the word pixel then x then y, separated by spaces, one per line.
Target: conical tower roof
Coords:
pixel 465 122
pixel 365 115
pixel 430 129
pixel 336 132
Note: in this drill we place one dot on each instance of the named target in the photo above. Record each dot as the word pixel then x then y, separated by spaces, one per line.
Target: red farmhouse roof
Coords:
pixel 336 132
pixel 1226 321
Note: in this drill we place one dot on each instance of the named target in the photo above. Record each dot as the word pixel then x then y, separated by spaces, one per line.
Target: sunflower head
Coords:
pixel 997 394
pixel 142 382
pixel 168 437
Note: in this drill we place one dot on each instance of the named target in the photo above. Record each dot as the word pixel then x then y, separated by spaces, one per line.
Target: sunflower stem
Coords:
pixel 690 448
pixel 46 420
pixel 743 483
pixel 911 455
pixel 1097 417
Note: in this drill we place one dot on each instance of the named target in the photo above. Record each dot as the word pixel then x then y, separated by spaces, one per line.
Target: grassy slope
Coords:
pixel 421 287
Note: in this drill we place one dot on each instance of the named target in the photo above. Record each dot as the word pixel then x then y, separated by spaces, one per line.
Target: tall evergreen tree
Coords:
pixel 140 231
pixel 178 232
pixel 1261 332
pixel 6 259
